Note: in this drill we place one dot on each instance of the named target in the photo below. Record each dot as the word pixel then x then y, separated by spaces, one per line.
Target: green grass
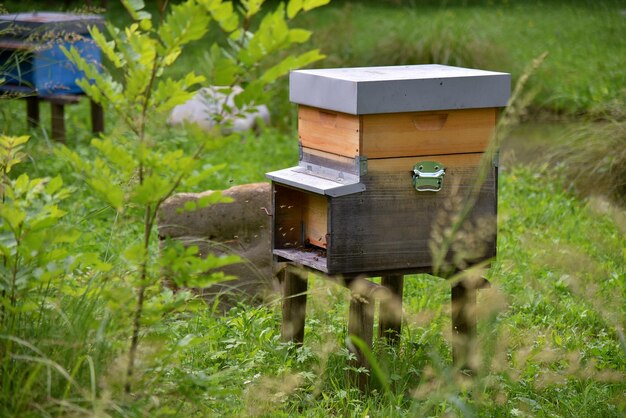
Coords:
pixel 551 328
pixel 550 332
pixel 585 39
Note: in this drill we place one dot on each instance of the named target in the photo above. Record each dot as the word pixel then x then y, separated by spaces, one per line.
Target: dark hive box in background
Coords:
pixel 31 57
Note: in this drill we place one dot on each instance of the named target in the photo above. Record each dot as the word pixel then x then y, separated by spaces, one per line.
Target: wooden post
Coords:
pixel 463 299
pixel 294 306
pixel 390 314
pixel 58 121
pixel 32 111
pixel 361 325
pixel 97 118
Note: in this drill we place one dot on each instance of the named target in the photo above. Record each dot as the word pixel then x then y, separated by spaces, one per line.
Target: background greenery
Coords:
pixel 552 324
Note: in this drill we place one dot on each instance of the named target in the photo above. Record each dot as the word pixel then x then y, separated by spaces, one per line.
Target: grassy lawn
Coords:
pixel 551 329
pixel 585 41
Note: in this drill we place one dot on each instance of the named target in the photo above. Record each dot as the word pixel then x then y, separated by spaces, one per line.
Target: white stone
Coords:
pixel 211 106
pixel 241 227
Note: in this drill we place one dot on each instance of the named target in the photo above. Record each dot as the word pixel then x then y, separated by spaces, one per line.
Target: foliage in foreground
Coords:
pixel 134 170
pixel 551 337
pixel 551 332
pixel 137 170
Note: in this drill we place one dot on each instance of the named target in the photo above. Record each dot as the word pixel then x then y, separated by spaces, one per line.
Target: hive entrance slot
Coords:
pixel 301 219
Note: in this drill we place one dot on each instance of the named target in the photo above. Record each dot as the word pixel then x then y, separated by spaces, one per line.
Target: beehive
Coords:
pixel 383 150
pixel 31 50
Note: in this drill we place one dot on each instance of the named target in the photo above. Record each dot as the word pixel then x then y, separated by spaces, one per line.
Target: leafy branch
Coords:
pixel 136 171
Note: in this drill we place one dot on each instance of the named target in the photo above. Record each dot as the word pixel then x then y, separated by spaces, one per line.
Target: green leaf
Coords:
pixel 225 70
pixel 196 177
pixel 46 218
pixel 170 93
pixel 206 280
pixel 110 191
pixel 136 5
pixel 21 184
pixel 135 253
pixel 253 93
pixel 186 22
pixel 271 36
pixel 291 63
pixel 190 206
pixel 171 58
pixel 107 48
pixel 252 7
pixel 98 86
pixel 213 198
pixel 66 236
pixel 294 7
pixel 153 189
pixel 312 4
pixel 54 185
pixel 224 15
pixel 299 35
pixel 135 9
pixel 142 16
pixel 116 154
pixel 13 216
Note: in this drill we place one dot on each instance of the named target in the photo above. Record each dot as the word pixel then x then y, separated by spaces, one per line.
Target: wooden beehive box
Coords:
pixel 362 198
pixel 31 52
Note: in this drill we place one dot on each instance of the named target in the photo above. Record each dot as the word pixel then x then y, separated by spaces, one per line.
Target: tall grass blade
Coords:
pixel 377 371
pixel 512 112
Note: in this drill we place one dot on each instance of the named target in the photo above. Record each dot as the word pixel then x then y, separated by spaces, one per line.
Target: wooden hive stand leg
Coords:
pixel 58 121
pixel 32 111
pixel 97 118
pixel 294 305
pixel 463 299
pixel 390 317
pixel 361 325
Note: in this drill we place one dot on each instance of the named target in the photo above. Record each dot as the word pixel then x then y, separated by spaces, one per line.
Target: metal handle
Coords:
pixel 428 176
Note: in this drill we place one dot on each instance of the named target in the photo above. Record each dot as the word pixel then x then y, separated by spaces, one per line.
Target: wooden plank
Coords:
pixel 390 314
pixel 361 325
pixel 427 133
pixel 406 164
pixel 62 99
pixel 390 225
pixel 18 45
pixel 325 130
pixel 32 111
pixel 329 160
pixel 463 301
pixel 315 218
pixel 294 306
pixel 17 91
pixel 97 118
pixel 58 121
pixel 315 259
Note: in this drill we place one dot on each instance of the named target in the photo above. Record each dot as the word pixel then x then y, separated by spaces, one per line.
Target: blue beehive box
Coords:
pixel 31 56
